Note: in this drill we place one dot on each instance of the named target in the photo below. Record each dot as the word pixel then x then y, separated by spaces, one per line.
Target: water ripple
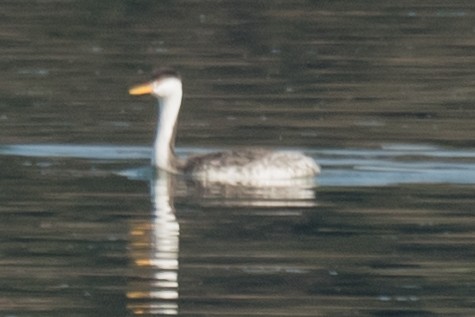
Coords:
pixel 388 165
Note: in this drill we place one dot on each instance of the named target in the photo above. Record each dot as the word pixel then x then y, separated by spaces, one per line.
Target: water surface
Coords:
pixel 379 93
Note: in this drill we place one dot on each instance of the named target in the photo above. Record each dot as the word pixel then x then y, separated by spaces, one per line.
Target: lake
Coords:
pixel 380 94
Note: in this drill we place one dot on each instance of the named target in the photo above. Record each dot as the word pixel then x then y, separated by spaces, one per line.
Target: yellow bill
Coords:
pixel 144 89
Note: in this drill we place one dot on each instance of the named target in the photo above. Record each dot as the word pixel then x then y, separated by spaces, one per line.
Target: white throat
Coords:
pixel 169 106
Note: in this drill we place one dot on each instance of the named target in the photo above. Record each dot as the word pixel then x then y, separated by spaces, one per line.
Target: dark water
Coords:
pixel 380 93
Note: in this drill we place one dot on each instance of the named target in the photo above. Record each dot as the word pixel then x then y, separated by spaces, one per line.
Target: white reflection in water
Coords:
pixel 284 193
pixel 155 249
pixel 154 287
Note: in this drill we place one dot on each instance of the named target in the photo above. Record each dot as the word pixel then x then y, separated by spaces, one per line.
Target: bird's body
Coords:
pixel 241 165
pixel 234 166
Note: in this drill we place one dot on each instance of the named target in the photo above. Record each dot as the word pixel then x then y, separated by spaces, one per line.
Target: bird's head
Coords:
pixel 165 82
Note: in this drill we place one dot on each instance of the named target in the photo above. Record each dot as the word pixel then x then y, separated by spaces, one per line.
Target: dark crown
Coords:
pixel 161 73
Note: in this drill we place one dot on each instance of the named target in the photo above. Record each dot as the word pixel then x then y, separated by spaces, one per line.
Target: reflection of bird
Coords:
pixel 237 166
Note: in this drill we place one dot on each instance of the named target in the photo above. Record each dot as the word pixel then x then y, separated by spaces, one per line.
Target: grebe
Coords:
pixel 234 166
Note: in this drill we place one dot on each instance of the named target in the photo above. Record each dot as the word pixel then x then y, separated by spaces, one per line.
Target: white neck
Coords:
pixel 163 155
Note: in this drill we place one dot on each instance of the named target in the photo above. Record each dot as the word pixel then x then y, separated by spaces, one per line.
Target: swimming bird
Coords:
pixel 233 166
